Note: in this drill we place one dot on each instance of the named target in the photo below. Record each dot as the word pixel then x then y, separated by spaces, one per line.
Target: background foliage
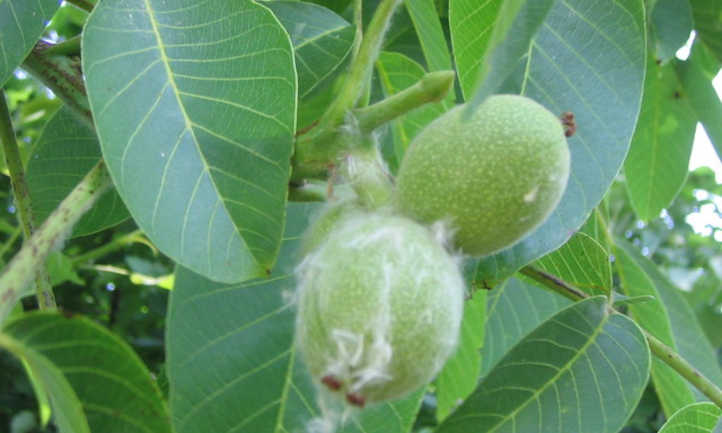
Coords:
pixel 196 106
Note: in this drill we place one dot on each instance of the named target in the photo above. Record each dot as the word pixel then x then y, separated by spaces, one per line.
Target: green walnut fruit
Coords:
pixel 495 174
pixel 380 304
pixel 328 218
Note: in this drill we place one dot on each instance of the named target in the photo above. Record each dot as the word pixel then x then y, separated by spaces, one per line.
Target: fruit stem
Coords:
pixel 663 352
pixel 313 156
pixel 82 4
pixel 43 288
pixel 21 269
pixel 432 87
pixel 321 146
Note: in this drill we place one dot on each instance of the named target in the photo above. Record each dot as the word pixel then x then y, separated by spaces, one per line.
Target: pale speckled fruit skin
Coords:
pixel 495 174
pixel 387 279
pixel 329 217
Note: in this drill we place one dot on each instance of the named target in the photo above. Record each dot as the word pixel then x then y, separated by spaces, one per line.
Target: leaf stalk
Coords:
pixel 663 352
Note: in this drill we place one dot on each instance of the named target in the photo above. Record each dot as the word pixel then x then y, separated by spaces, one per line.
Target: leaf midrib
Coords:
pixel 187 121
pixel 572 361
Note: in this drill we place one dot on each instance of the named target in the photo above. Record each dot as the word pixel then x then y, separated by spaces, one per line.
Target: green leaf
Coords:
pixel 232 363
pixel 431 35
pixel 459 376
pixel 113 385
pixel 672 390
pixel 695 418
pixel 511 40
pixel 587 58
pixel 22 22
pixel 322 42
pixel 513 310
pixel 708 23
pixel 66 407
pixel 702 95
pixel 396 73
pixel 65 152
pixel 196 115
pixel 471 23
pixel 582 370
pixel 582 262
pixel 658 160
pixel 672 23
pixel 60 269
pixel 687 332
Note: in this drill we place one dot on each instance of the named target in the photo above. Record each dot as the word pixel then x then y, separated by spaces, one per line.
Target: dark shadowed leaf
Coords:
pixel 113 385
pixel 232 364
pixel 63 155
pixel 583 370
pixel 195 104
pixel 66 408
pixel 22 22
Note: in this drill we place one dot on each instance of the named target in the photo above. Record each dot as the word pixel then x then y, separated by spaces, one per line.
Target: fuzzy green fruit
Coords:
pixel 495 174
pixel 380 305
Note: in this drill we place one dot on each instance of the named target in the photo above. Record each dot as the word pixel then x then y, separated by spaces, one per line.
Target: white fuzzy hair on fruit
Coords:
pixel 380 303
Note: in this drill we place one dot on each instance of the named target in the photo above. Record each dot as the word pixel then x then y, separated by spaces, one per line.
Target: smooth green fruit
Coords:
pixel 495 174
pixel 380 305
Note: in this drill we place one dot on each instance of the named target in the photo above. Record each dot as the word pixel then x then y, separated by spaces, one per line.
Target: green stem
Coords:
pixel 115 244
pixel 63 76
pixel 685 369
pixel 43 288
pixel 71 47
pixel 664 353
pixel 31 257
pixel 432 87
pixel 361 66
pixel 82 4
pixel 312 158
pixel 321 146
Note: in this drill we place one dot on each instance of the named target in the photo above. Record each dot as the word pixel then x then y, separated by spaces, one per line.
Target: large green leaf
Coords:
pixel 67 409
pixel 113 385
pixel 321 40
pixel 63 155
pixel 514 309
pixel 471 23
pixel 658 160
pixel 583 370
pixel 458 377
pixel 687 332
pixel 701 94
pixel 672 390
pixel 672 23
pixel 583 262
pixel 232 363
pixel 708 23
pixel 195 110
pixel 695 418
pixel 396 73
pixel 431 36
pixel 587 58
pixel 22 22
